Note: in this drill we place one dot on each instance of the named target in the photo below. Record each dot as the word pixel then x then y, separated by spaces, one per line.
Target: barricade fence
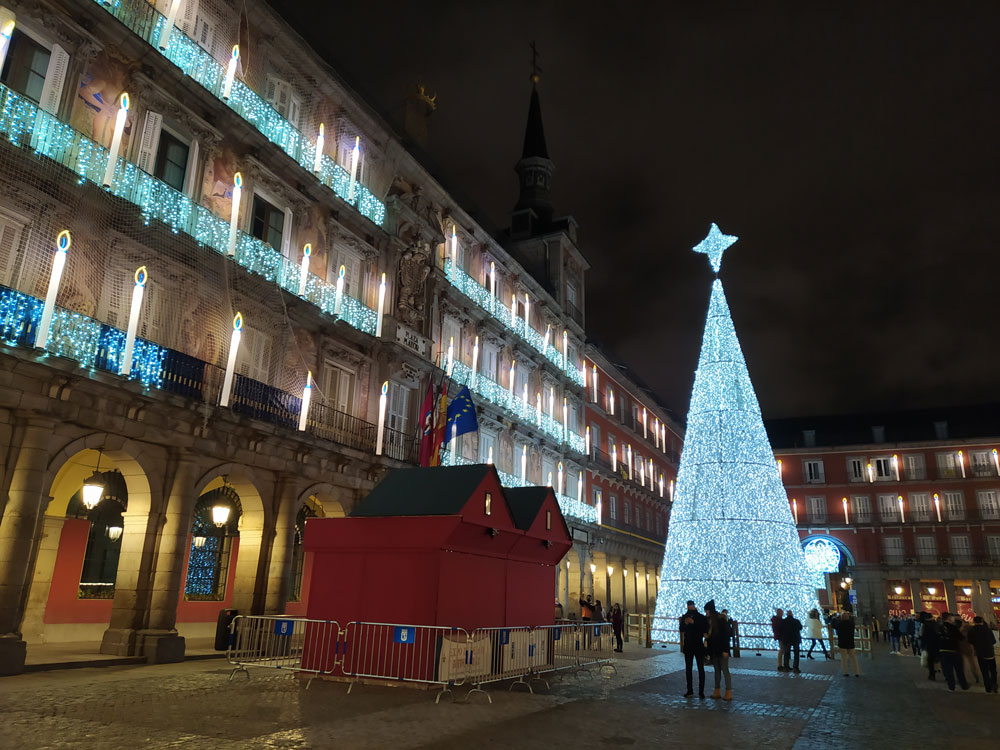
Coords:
pixel 437 656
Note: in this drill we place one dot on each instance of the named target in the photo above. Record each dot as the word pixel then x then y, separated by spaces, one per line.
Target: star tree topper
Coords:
pixel 714 245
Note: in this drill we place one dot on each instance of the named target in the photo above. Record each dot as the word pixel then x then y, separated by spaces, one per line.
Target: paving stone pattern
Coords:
pixel 641 704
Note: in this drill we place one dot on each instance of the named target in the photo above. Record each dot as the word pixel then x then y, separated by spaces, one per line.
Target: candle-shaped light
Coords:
pixel 475 362
pixel 168 27
pixel 579 487
pixel 780 472
pixel 598 510
pixel 524 396
pixel 895 466
pixel 380 429
pixel 871 472
pixel 559 479
pixel 645 431
pixel 234 348
pixel 320 142
pixel 630 465
pixel 661 485
pixel 656 432
pixel 642 472
pixel 450 363
pixel 510 378
pixel 513 310
pixel 961 463
pixel 355 156
pixel 565 351
pixel 586 438
pixel 133 319
pixel 524 464
pixel 454 248
pixel 996 461
pixel 671 490
pixel 552 402
pixel 340 290
pixel 795 510
pixel 548 336
pixel 306 400
pixel 489 455
pixel 611 401
pixel 663 438
pixel 614 457
pixel 454 444
pixel 493 279
pixel 304 269
pixel 527 311
pixel 902 517
pixel 538 408
pixel 593 381
pixel 650 475
pixel 116 140
pixel 7 22
pixel 937 506
pixel 227 83
pixel 846 518
pixel 63 241
pixel 550 485
pixel 234 213
pixel 381 308
pixel 565 417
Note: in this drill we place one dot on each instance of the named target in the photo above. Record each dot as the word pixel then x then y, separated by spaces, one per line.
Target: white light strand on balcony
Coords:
pixel 234 348
pixel 475 362
pixel 234 214
pixel 306 400
pixel 320 143
pixel 355 157
pixel 340 290
pixel 133 319
pixel 116 140
pixel 451 355
pixel 63 242
pixel 380 430
pixel 304 269
pixel 227 84
pixel 7 21
pixel 381 308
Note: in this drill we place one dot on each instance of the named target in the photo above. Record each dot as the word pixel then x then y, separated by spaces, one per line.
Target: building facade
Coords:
pixel 910 501
pixel 258 285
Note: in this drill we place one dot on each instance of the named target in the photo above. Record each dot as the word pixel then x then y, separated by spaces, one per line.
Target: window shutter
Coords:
pixel 113 303
pixel 192 172
pixel 55 77
pixel 343 394
pixel 294 109
pixel 352 273
pixel 10 234
pixel 149 141
pixel 189 17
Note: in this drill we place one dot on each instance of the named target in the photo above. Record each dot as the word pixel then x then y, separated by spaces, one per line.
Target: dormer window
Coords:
pixel 489 504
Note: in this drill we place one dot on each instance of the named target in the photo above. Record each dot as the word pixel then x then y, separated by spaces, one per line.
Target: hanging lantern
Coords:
pixel 93 491
pixel 220 514
pixel 199 541
pixel 115 533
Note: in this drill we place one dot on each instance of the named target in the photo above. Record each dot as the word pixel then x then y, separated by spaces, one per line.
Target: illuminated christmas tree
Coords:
pixel 732 537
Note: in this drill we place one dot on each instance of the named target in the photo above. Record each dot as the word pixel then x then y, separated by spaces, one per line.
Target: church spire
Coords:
pixel 534 169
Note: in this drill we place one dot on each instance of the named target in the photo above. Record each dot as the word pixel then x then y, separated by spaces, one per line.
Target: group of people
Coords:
pixel 787 631
pixel 953 645
pixel 706 635
pixel 901 632
pixel 593 611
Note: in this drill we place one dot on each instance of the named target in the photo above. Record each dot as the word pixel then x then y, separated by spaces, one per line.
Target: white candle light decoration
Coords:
pixel 552 402
pixel 451 355
pixel 937 506
pixel 538 408
pixel 475 361
pixel 234 347
pixel 524 396
pixel 549 484
pixel 996 461
pixel 630 465
pixel 671 490
pixel 168 27
pixel 548 335
pixel 454 247
pixel 895 466
pixel 320 142
pixel 795 510
pixel 661 485
pixel 780 472
pixel 513 309
pixel 663 438
pixel 871 473
pixel 340 290
pixel 234 214
pixel 355 156
pixel 527 312
pixel 650 475
pixel 7 31
pixel 524 464
pixel 586 438
pixel 597 506
pixel 846 518
pixel 579 487
pixel 489 455
pixel 565 415
pixel 227 83
pixel 656 432
pixel 645 430
pixel 133 319
pixel 559 479
pixel 961 463
pixel 510 378
pixel 380 431
pixel 565 349
pixel 642 472
pixel 304 269
pixel 614 457
pixel 63 241
pixel 611 401
pixel 116 140
pixel 593 381
pixel 306 400
pixel 454 443
pixel 381 307
pixel 902 517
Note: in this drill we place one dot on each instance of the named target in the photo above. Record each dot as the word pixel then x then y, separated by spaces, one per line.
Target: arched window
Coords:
pixel 104 541
pixel 298 554
pixel 211 544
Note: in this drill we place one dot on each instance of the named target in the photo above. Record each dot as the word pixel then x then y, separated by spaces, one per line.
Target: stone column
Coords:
pixel 564 587
pixel 588 575
pixel 33 626
pixel 643 589
pixel 915 589
pixel 950 597
pixel 600 562
pixel 279 572
pixel 572 585
pixel 617 591
pixel 981 600
pixel 161 643
pixel 249 586
pixel 19 531
pixel 628 585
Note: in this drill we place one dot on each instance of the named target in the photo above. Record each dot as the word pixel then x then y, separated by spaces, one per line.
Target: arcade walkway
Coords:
pixel 193 705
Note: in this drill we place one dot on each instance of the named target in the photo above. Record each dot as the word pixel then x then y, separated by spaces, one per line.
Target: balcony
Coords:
pixel 146 22
pixel 500 312
pixel 910 519
pixel 27 126
pixel 620 472
pixel 575 313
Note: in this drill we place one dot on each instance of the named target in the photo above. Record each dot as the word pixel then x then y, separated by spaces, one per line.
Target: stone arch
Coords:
pixel 331 500
pixel 255 511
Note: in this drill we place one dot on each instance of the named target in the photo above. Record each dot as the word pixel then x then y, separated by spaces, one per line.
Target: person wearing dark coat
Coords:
pixel 948 652
pixel 982 640
pixel 791 639
pixel 693 627
pixel 616 625
pixel 844 628
pixel 929 641
pixel 717 645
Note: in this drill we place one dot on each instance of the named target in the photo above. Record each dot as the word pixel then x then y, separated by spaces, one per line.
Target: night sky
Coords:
pixel 853 148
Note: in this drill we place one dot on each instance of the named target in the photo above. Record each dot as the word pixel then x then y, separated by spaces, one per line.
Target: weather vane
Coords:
pixel 714 245
pixel 535 68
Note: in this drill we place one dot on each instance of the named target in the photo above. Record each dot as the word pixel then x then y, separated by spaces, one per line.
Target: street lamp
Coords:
pixel 220 514
pixel 898 590
pixel 93 488
pixel 967 590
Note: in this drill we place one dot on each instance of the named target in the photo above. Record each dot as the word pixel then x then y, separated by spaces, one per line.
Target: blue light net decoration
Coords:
pixel 732 537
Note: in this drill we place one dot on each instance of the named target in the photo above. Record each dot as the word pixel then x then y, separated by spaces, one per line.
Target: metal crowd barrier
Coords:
pixel 427 654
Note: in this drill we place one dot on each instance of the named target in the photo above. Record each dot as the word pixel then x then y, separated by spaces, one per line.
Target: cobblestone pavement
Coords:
pixel 194 705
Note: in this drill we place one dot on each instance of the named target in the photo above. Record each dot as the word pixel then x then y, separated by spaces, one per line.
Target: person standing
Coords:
pixel 949 654
pixel 693 627
pixel 969 662
pixel 717 643
pixel 776 631
pixel 815 631
pixel 598 611
pixel 982 640
pixel 929 642
pixel 876 626
pixel 587 608
pixel 844 627
pixel 616 626
pixel 791 636
pixel 894 635
pixel 913 627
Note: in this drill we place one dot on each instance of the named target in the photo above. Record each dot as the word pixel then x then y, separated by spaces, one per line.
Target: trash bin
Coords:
pixel 226 617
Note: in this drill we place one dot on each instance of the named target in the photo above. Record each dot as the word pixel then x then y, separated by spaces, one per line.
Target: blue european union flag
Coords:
pixel 461 415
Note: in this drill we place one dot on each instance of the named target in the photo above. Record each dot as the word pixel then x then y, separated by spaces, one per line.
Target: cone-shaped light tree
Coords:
pixel 732 537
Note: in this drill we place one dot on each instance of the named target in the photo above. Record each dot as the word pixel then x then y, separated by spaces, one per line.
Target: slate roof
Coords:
pixel 524 504
pixel 427 491
pixel 534 133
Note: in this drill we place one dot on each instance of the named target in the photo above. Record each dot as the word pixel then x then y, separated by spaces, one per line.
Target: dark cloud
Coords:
pixel 851 146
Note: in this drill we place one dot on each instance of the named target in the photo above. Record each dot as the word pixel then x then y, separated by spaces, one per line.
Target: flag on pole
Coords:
pixel 461 415
pixel 440 425
pixel 427 426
